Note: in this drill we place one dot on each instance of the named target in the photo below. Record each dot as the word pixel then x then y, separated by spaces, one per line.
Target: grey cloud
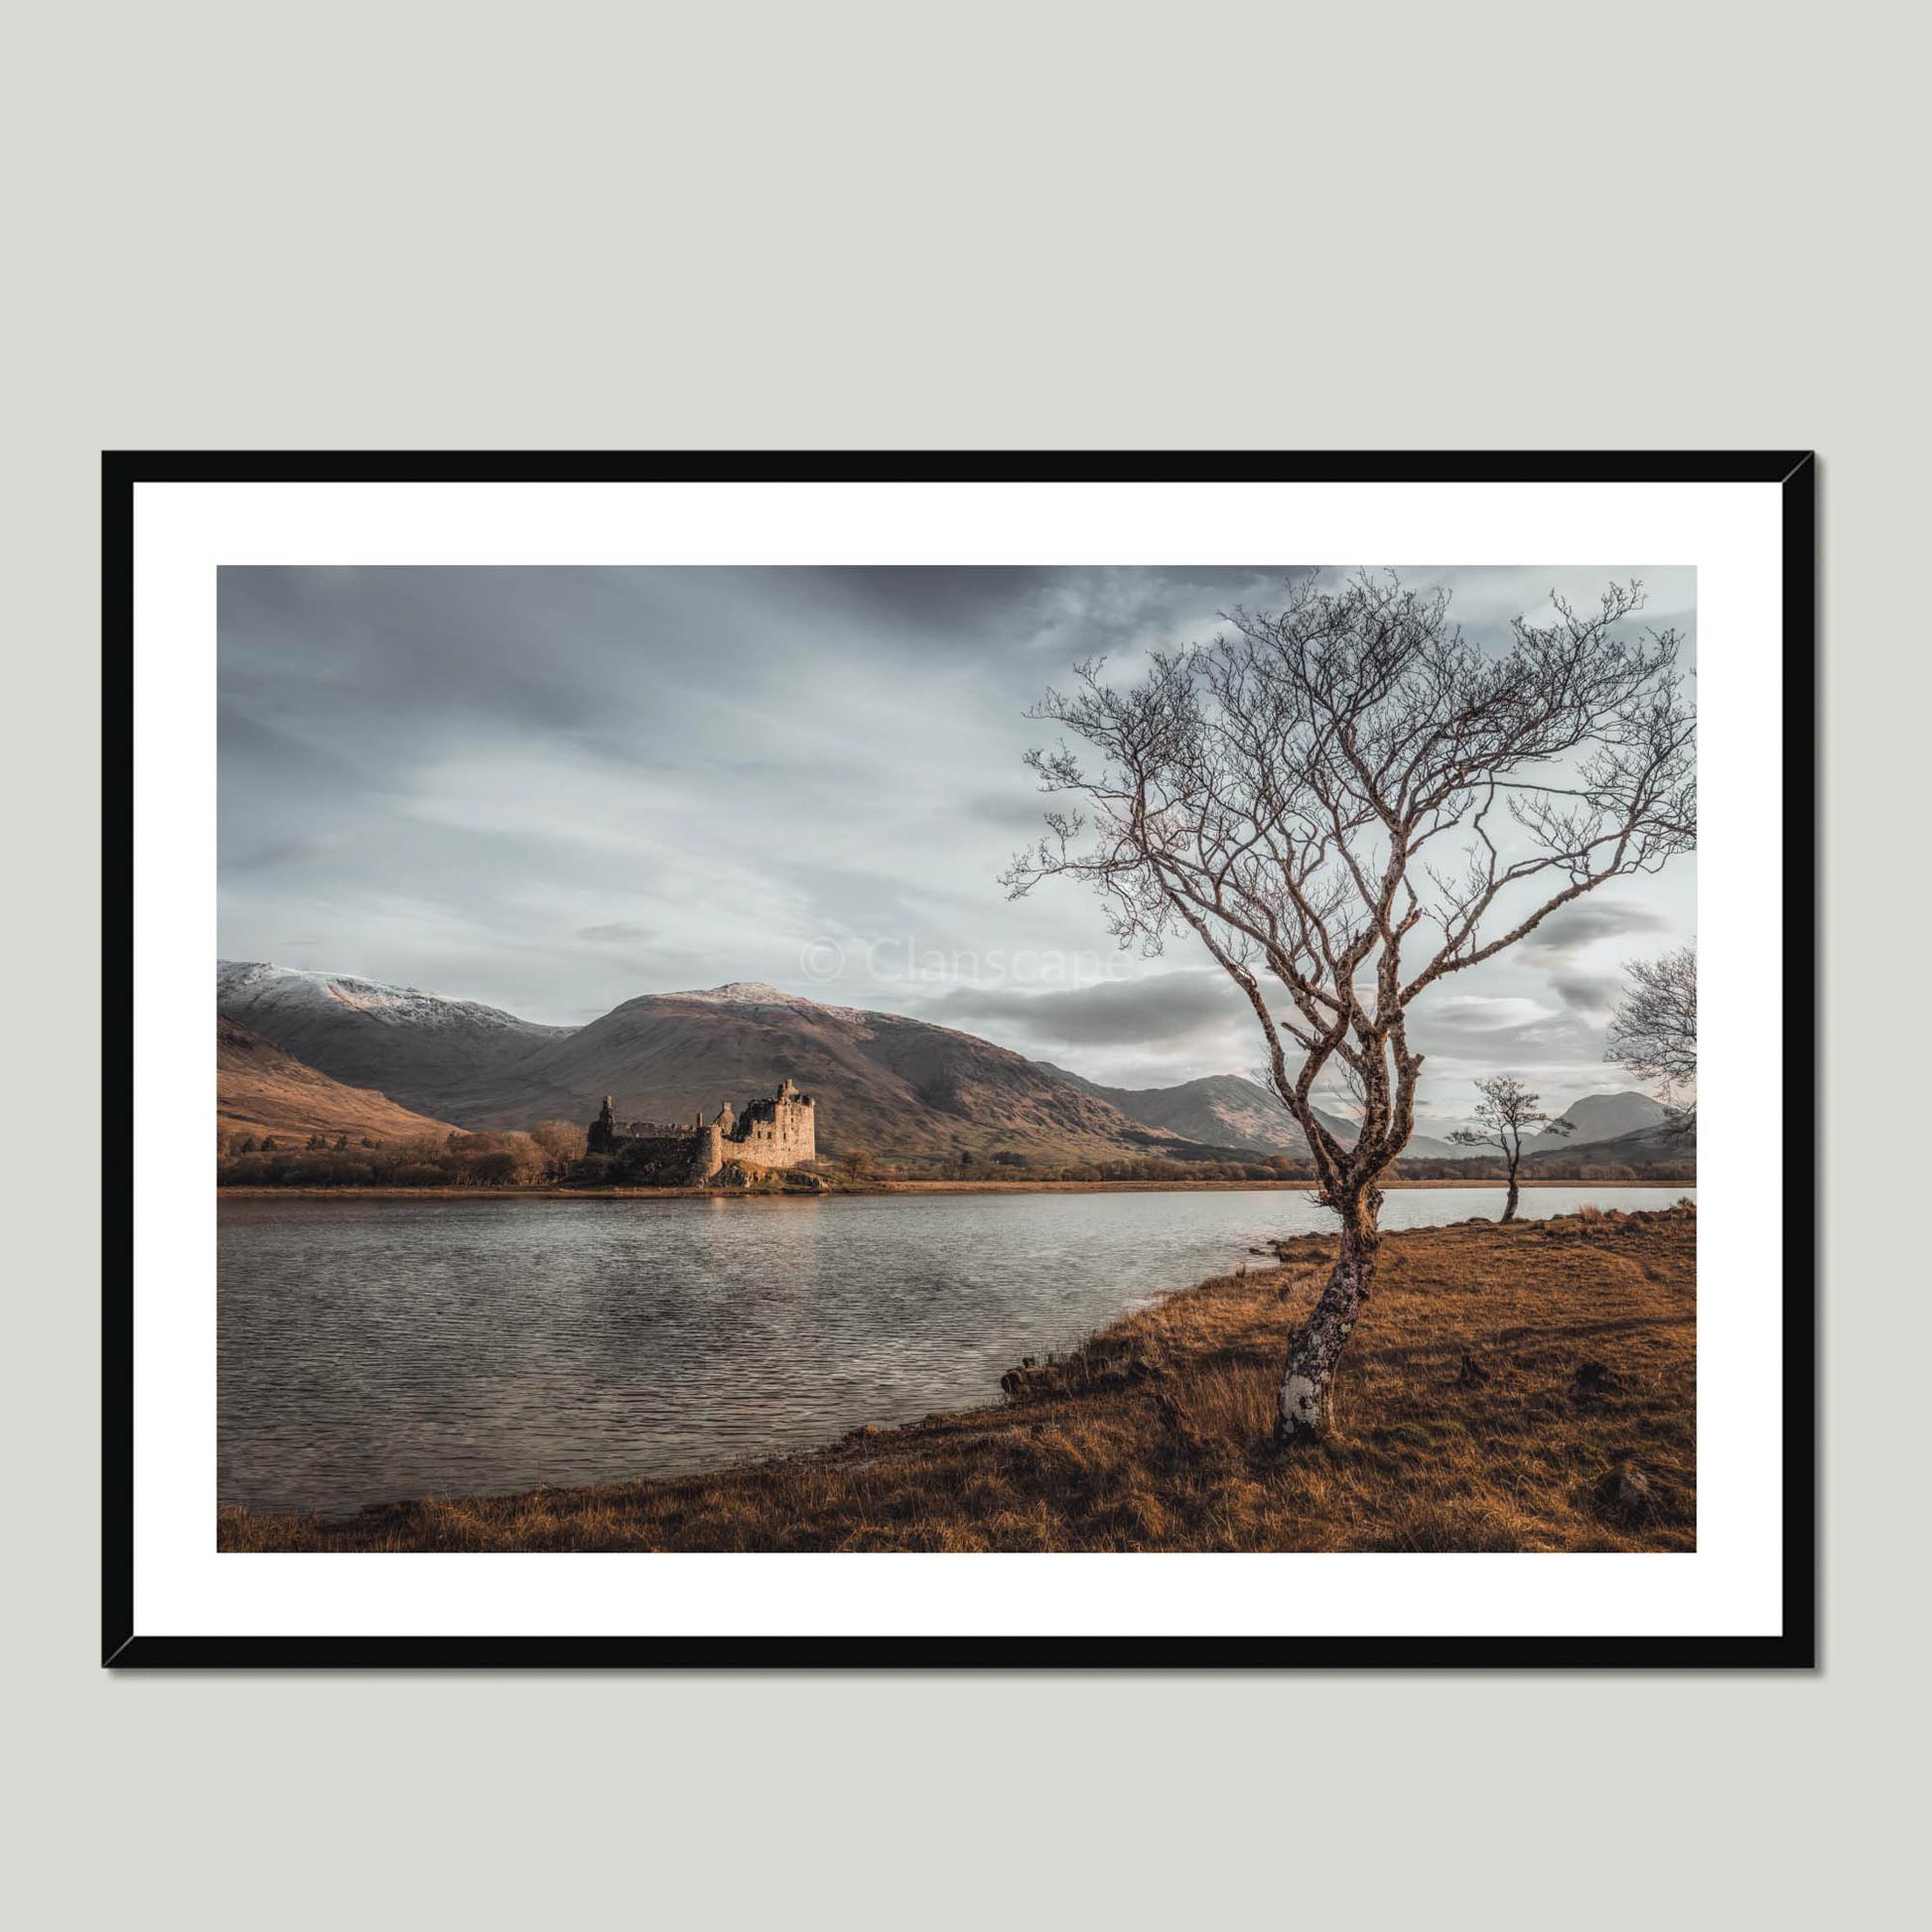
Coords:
pixel 516 784
pixel 1154 1013
pixel 1566 934
pixel 615 933
pixel 1021 812
pixel 1587 991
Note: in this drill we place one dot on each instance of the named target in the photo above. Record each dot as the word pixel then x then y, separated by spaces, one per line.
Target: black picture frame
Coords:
pixel 1795 472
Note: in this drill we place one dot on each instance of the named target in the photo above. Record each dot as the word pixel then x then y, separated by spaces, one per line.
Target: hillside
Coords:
pixel 891 1086
pixel 412 1046
pixel 261 1090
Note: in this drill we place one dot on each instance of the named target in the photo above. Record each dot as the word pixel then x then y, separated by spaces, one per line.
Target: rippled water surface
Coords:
pixel 375 1349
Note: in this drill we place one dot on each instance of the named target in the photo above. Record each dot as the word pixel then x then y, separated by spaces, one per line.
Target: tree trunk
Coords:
pixel 1515 1194
pixel 1302 1411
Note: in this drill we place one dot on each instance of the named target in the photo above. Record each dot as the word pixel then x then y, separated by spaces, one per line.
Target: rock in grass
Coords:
pixel 1625 1493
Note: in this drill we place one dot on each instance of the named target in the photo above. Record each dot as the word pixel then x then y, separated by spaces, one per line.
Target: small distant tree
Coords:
pixel 1345 801
pixel 1506 1108
pixel 858 1161
pixel 1654 1027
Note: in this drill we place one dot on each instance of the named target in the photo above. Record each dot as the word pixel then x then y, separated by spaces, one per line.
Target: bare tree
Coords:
pixel 1345 802
pixel 1654 1028
pixel 1507 1107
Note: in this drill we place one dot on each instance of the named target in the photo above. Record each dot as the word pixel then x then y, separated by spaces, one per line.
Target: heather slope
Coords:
pixel 261 1090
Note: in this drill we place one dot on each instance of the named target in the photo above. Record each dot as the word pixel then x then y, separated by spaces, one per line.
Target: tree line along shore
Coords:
pixel 552 1157
pixel 1529 1387
pixel 1196 1186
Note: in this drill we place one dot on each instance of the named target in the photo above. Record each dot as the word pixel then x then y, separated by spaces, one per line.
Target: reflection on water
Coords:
pixel 375 1349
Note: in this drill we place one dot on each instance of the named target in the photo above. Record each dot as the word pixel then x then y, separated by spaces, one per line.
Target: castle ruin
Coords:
pixel 769 1135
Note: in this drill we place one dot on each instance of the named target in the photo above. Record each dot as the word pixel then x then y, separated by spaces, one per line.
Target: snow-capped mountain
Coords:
pixel 259 985
pixel 410 1044
pixel 743 992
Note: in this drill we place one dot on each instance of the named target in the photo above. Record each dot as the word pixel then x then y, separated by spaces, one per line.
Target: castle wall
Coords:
pixel 661 1148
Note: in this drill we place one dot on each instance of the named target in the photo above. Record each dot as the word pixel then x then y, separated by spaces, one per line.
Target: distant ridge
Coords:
pixel 1666 1142
pixel 1610 1116
pixel 1230 1110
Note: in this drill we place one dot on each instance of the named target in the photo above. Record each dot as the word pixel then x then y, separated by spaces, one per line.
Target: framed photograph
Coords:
pixel 960 1060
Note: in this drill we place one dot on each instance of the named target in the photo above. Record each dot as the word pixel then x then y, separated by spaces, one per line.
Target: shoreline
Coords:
pixel 1152 1434
pixel 886 1188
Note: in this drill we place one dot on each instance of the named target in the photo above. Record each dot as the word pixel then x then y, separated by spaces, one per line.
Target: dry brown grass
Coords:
pixel 1509 1388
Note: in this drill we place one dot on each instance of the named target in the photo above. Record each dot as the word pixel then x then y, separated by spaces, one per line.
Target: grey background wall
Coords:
pixel 1003 225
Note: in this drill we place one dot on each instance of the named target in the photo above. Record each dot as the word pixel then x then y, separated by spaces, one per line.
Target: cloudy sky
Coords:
pixel 553 789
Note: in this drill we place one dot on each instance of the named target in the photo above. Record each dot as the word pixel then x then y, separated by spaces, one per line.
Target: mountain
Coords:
pixel 1225 1110
pixel 260 1090
pixel 1220 1110
pixel 415 1047
pixel 1610 1116
pixel 895 1086
pixel 900 1088
pixel 1664 1140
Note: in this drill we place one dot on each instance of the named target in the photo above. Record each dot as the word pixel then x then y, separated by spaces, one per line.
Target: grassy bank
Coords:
pixel 1521 1388
pixel 1302 1186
